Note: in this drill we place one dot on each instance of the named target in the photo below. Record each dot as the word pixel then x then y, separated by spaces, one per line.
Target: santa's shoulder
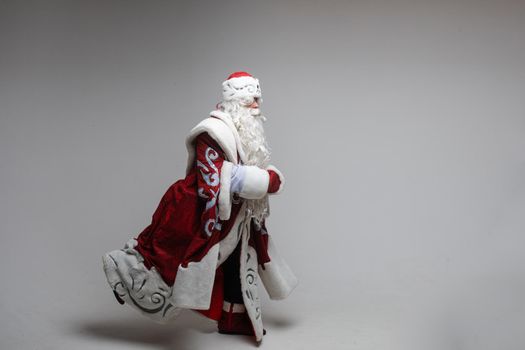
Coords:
pixel 221 129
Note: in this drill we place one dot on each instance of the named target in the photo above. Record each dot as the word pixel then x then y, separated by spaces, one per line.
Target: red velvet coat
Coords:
pixel 174 263
pixel 177 233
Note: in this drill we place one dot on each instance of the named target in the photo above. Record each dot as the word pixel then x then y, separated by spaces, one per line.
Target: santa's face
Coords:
pixel 253 105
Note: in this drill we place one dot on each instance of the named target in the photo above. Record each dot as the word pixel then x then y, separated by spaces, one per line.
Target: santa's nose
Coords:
pixel 254 104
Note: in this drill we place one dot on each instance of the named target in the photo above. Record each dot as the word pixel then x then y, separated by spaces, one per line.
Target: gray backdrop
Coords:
pixel 399 125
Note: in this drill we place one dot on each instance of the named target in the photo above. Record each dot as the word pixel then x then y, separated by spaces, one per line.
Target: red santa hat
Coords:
pixel 240 86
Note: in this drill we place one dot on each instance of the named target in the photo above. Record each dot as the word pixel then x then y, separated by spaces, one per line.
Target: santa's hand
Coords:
pixel 276 180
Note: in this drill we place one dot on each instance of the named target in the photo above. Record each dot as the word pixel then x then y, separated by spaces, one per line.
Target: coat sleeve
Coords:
pixel 209 161
pixel 219 179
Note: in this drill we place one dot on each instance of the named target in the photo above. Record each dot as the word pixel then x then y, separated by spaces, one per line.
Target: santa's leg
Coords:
pixel 234 319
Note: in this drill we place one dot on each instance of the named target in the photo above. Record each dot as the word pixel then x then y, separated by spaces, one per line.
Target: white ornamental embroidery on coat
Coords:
pixel 136 285
pixel 249 277
pixel 210 174
pixel 251 286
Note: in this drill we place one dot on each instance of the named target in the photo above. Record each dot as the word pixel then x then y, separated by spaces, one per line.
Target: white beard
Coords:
pixel 249 125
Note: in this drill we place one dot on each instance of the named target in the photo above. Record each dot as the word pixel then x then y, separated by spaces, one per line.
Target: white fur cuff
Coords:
pixel 281 178
pixel 225 198
pixel 256 183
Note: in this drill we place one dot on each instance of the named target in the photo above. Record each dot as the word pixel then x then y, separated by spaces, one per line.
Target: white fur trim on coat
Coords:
pixel 229 243
pixel 256 181
pixel 281 178
pixel 277 277
pixel 141 288
pixel 249 281
pixel 221 128
pixel 225 195
pixel 194 283
pixel 220 132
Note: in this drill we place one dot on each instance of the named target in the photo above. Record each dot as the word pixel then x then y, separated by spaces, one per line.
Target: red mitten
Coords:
pixel 275 182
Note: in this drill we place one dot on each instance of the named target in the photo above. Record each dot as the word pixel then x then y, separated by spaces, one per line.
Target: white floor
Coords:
pixel 474 315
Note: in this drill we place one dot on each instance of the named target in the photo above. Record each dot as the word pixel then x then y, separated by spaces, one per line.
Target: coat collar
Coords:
pixel 227 119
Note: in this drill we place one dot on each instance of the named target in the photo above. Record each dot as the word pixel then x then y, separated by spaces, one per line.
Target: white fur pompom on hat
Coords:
pixel 240 86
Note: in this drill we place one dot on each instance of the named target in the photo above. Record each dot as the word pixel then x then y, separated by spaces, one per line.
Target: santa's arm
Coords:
pixel 248 182
pixel 252 182
pixel 219 179
pixel 209 161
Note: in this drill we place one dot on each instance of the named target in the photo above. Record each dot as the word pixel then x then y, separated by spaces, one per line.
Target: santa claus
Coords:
pixel 207 246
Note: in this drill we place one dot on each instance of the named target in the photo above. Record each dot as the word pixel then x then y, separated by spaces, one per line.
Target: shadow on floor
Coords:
pixel 185 332
pixel 178 334
pixel 278 322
